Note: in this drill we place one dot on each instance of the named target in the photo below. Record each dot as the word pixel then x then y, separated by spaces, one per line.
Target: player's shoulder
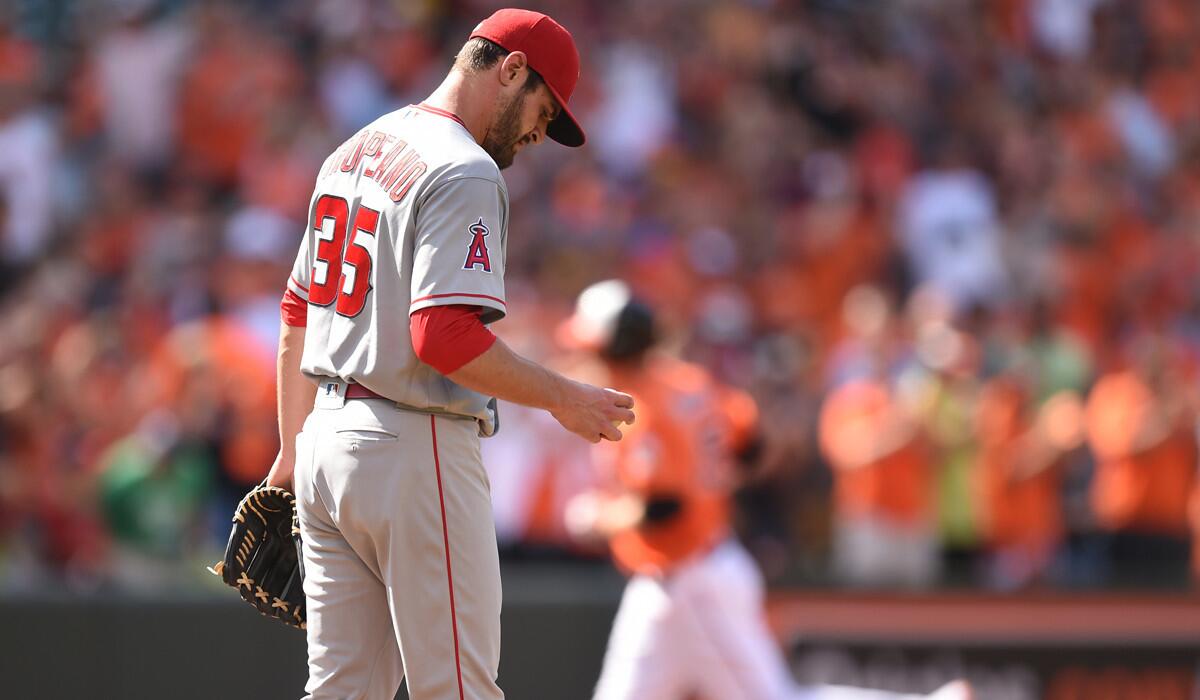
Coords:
pixel 467 165
pixel 476 174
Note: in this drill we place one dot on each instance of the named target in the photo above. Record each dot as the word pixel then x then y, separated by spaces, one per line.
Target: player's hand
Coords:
pixel 281 472
pixel 593 413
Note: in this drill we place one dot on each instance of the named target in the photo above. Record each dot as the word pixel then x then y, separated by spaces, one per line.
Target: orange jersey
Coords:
pixel 1016 510
pixel 1137 488
pixel 681 445
pixel 894 484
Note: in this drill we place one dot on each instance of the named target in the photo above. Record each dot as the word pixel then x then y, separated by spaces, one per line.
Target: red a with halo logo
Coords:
pixel 477 253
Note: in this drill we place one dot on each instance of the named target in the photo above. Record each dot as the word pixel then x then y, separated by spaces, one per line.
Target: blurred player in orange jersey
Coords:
pixel 691 620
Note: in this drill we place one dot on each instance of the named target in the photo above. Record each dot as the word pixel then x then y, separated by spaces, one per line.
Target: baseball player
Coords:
pixel 384 341
pixel 690 623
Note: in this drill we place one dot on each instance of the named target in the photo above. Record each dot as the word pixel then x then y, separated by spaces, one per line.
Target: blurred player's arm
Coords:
pixel 294 396
pixel 598 515
pixel 601 514
pixel 489 367
pixel 746 440
pixel 613 506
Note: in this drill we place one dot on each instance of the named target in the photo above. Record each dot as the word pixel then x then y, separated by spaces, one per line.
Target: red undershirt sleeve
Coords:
pixel 293 310
pixel 448 337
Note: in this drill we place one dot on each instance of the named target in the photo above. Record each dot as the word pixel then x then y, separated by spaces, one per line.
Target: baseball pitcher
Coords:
pixel 387 368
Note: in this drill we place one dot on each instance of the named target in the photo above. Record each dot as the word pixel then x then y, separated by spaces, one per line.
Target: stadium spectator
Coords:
pixel 134 72
pixel 883 534
pixel 1019 476
pixel 28 159
pixel 1142 430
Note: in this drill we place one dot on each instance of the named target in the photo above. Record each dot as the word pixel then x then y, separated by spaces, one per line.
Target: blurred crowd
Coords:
pixel 951 247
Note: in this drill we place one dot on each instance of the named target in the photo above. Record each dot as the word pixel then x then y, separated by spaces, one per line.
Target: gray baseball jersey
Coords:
pixel 409 213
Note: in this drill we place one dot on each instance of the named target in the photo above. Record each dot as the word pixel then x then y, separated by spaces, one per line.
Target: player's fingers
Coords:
pixel 587 434
pixel 624 416
pixel 621 399
pixel 611 432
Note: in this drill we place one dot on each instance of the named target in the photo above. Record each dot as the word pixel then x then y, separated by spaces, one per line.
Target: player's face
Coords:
pixel 521 122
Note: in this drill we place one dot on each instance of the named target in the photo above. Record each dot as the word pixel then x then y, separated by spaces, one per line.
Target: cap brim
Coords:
pixel 565 128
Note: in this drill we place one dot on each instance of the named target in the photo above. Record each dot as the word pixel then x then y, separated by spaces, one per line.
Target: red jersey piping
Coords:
pixel 441 112
pixel 460 294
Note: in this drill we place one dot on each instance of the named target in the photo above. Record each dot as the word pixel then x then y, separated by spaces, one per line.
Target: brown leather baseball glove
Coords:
pixel 263 559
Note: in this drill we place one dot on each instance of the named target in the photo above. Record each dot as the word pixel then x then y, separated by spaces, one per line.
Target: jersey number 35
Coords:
pixel 341 271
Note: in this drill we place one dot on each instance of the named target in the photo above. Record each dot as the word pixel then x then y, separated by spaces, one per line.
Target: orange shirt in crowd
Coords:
pixel 1140 485
pixel 831 248
pixel 212 363
pixel 872 478
pixel 227 97
pixel 682 444
pixel 1018 508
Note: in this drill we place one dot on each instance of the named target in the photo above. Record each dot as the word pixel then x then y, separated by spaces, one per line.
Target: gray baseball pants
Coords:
pixel 401 570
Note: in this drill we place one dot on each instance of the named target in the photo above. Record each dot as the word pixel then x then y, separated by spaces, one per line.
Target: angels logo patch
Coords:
pixel 477 253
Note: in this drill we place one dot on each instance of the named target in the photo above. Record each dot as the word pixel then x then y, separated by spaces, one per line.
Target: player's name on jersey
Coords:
pixel 391 162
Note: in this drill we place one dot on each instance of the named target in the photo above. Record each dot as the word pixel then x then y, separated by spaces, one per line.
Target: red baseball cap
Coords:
pixel 551 52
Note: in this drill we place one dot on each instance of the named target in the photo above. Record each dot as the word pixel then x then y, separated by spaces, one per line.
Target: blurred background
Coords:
pixel 951 247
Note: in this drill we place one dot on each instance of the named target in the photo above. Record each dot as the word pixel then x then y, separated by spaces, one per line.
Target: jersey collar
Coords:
pixel 441 113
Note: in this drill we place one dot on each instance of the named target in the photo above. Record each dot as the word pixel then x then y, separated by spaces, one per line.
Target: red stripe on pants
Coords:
pixel 446 539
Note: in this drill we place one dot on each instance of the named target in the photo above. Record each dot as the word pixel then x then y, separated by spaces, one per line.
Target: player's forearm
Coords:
pixel 590 412
pixel 502 373
pixel 294 393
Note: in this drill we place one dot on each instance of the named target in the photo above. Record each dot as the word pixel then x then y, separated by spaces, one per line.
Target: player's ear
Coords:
pixel 513 68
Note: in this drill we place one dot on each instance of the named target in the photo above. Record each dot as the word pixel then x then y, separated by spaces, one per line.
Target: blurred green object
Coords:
pixel 944 402
pixel 153 492
pixel 951 429
pixel 1063 364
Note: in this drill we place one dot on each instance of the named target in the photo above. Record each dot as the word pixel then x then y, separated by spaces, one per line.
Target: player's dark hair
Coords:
pixel 662 508
pixel 481 54
pixel 633 335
